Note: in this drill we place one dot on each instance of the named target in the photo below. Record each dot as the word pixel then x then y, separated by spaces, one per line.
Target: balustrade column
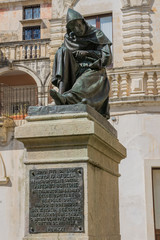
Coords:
pixel 4 52
pixel 7 51
pixel 12 53
pixel 28 51
pixel 124 85
pixel 33 51
pixel 18 53
pixel 47 48
pixel 115 86
pixel 38 50
pixel 1 54
pixel 23 52
pixel 150 84
pixel 158 83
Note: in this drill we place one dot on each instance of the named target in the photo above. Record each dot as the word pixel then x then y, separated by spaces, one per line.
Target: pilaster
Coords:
pixel 136 30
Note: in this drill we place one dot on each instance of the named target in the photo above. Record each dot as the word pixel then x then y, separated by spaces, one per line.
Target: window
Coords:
pixel 103 22
pixel 32 12
pixel 30 33
pixel 156 200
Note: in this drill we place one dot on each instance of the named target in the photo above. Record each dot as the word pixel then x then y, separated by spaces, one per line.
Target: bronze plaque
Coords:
pixel 56 200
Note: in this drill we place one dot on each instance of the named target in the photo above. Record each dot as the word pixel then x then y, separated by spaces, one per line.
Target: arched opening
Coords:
pixel 18 91
pixel 16 78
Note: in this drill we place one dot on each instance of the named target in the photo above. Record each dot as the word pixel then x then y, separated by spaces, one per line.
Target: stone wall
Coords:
pixel 139 132
pixel 11 183
pixel 11 15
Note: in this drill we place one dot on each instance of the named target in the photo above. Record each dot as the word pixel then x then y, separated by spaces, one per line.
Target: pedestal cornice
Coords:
pixel 76 127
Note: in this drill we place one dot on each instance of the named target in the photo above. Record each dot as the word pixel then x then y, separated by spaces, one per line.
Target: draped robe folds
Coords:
pixel 84 77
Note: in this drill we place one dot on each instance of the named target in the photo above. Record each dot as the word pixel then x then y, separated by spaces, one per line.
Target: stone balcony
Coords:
pixel 21 50
pixel 135 81
pixel 135 86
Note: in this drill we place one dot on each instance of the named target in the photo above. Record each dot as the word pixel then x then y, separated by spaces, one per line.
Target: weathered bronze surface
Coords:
pixel 79 66
pixel 56 200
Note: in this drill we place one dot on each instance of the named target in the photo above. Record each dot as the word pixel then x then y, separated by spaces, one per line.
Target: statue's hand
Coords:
pixel 80 54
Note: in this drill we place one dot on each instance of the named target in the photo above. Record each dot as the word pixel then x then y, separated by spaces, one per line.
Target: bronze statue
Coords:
pixel 79 67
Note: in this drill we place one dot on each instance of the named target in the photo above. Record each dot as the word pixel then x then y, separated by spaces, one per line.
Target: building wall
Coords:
pixel 155 23
pixel 12 14
pixel 12 194
pixel 139 133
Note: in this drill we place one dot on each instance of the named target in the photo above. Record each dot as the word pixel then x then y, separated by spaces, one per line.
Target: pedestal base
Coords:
pixel 72 175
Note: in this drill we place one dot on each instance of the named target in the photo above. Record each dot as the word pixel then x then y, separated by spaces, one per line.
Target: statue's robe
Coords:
pixel 84 77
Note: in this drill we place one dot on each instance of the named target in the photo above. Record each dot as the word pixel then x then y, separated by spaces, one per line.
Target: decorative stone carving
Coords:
pixel 136 84
pixel 115 86
pixel 124 85
pixel 60 7
pixel 3 178
pixel 150 84
pixel 125 3
pixel 131 3
pixel 158 83
pixel 5 125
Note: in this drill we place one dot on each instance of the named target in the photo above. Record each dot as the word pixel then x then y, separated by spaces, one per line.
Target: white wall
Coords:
pixel 139 133
pixel 12 194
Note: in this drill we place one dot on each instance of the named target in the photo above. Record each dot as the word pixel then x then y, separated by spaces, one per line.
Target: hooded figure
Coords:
pixel 79 66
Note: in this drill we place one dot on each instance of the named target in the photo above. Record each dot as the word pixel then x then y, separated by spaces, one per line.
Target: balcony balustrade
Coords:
pixel 134 82
pixel 21 50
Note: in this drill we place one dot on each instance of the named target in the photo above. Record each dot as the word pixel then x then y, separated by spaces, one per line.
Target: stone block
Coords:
pixel 75 136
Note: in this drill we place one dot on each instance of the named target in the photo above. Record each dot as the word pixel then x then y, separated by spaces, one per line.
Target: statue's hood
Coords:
pixel 73 15
pixel 92 34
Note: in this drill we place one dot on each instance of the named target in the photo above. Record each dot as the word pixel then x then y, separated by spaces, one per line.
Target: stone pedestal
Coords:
pixel 75 145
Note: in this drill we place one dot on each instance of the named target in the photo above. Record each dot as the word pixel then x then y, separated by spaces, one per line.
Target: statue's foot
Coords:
pixel 84 101
pixel 58 98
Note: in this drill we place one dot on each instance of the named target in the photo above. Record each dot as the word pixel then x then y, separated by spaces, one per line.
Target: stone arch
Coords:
pixel 20 88
pixel 25 70
pixel 48 80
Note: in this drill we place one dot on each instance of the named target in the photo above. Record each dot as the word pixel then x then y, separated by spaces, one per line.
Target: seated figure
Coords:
pixel 79 66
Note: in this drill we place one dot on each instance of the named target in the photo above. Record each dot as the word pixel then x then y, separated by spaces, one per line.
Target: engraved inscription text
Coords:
pixel 56 200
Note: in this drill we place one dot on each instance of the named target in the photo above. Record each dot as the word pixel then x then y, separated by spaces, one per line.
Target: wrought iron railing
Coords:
pixel 14 101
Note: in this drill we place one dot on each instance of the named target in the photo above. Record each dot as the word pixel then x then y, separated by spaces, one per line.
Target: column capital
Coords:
pixel 134 3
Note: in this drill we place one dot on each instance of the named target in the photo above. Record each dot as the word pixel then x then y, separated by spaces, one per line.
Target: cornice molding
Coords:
pixel 28 2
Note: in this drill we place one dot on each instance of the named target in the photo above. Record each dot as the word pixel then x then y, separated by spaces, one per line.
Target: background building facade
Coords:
pixel 30 33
